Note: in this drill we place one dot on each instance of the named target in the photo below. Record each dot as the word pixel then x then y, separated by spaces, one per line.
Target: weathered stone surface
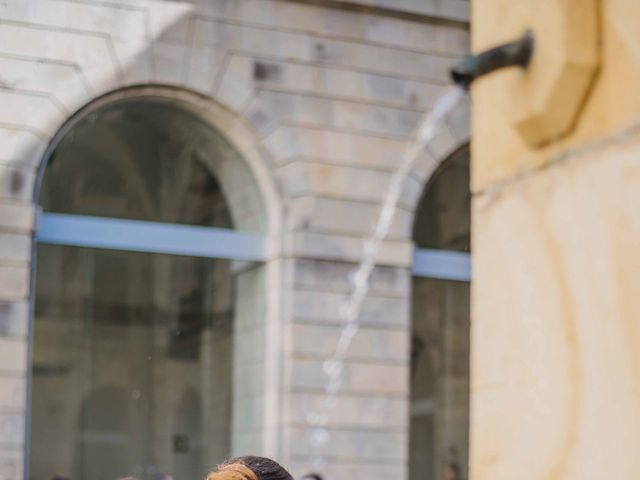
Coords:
pixel 362 378
pixel 328 215
pixel 288 143
pixel 555 258
pixel 11 463
pixel 334 277
pixel 15 248
pixel 336 95
pixel 352 469
pixel 324 307
pixel 14 282
pixel 13 355
pixel 354 445
pixel 452 10
pixel 382 345
pixel 354 412
pixel 17 216
pixel 12 393
pixel 14 319
pixel 345 248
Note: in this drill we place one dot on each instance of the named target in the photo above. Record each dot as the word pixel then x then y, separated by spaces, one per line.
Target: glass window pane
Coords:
pixel 443 218
pixel 131 364
pixel 439 424
pixel 132 351
pixel 142 159
pixel 439 380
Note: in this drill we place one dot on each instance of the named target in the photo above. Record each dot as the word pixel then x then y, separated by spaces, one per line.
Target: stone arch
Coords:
pixel 454 134
pixel 439 311
pixel 249 174
pixel 256 180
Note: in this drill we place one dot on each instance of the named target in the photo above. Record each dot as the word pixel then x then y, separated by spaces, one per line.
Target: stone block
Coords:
pixel 324 308
pixel 255 41
pixel 360 470
pixel 43 77
pixel 16 183
pixel 168 22
pixel 444 143
pixel 136 59
pixel 203 68
pixel 453 40
pixel 16 216
pixel 90 52
pixel 13 355
pixel 401 32
pixel 14 282
pixel 345 248
pixel 14 319
pixel 269 109
pixel 251 72
pixel 20 148
pixel 322 275
pixel 342 217
pixel 459 121
pixel 384 60
pixel 15 247
pixel 168 62
pixel 107 18
pixel 457 10
pixel 236 86
pixel 309 178
pixel 12 393
pixel 358 378
pixel 12 427
pixel 379 345
pixel 21 109
pixel 11 462
pixel 375 119
pixel 381 447
pixel 289 143
pixel 366 412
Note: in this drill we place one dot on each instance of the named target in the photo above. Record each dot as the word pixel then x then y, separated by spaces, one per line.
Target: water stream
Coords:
pixel 359 278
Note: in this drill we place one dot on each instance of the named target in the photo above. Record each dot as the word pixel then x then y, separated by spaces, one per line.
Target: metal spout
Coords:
pixel 516 53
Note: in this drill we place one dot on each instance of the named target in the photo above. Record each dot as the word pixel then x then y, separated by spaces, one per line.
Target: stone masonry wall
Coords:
pixel 330 98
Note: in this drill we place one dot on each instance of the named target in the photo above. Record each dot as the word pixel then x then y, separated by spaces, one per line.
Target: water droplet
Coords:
pixel 319 437
pixel 317 418
pixel 333 368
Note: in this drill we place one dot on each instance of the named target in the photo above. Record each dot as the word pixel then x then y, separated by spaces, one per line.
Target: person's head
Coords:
pixel 250 468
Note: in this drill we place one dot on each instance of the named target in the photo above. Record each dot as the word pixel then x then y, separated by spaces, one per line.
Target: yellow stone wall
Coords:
pixel 556 293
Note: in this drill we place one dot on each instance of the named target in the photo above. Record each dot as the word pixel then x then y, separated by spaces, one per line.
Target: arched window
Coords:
pixel 135 295
pixel 439 424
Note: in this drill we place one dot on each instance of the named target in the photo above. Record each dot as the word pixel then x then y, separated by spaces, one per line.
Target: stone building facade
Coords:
pixel 316 102
pixel 556 303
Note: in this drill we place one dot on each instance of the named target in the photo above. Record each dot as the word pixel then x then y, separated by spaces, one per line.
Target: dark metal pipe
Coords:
pixel 516 53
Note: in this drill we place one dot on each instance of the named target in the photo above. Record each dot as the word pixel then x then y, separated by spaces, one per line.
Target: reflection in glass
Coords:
pixel 439 427
pixel 129 350
pixel 132 351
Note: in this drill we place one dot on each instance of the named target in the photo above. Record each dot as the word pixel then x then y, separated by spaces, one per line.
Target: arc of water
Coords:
pixel 360 277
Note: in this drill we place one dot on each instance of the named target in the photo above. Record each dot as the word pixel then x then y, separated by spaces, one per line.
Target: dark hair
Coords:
pixel 263 468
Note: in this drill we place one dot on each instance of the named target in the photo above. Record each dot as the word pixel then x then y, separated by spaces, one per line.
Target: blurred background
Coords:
pixel 196 260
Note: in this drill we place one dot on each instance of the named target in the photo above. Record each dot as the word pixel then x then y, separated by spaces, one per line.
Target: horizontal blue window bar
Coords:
pixel 442 264
pixel 151 237
pixel 209 242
